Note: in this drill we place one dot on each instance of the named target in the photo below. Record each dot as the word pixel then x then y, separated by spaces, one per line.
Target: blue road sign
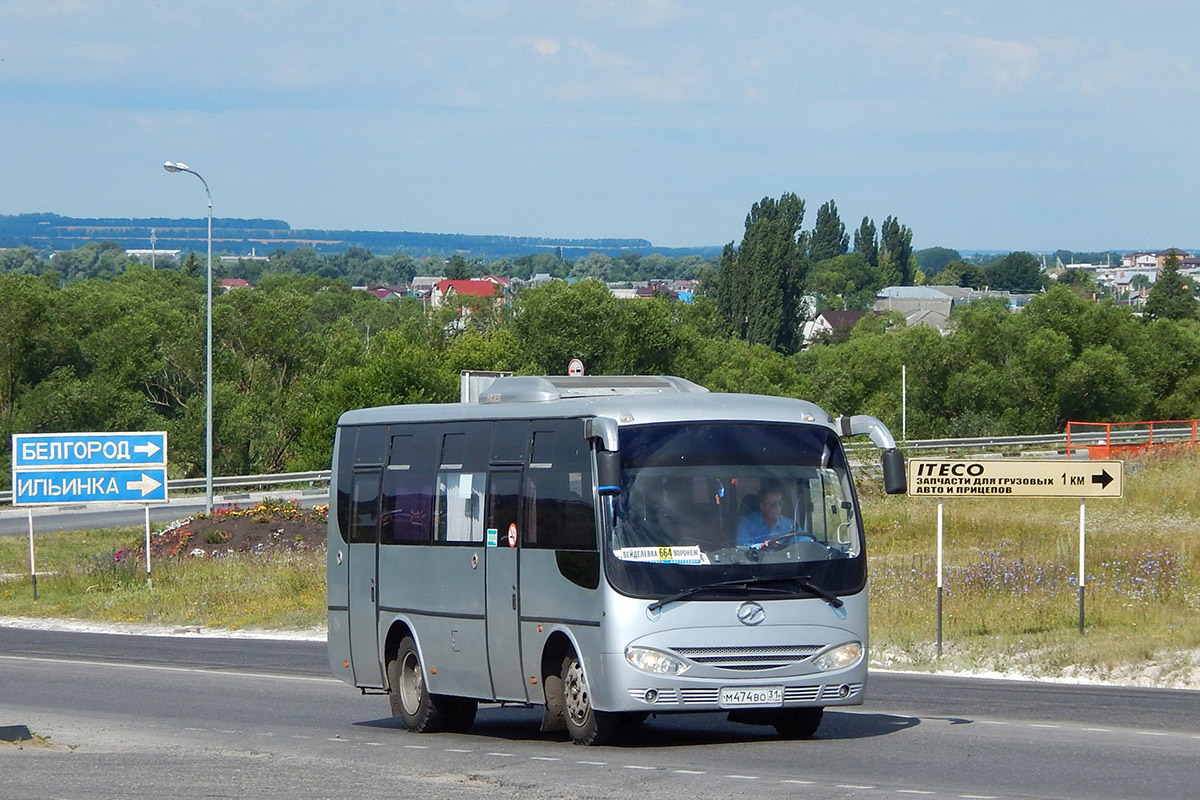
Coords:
pixel 120 485
pixel 48 450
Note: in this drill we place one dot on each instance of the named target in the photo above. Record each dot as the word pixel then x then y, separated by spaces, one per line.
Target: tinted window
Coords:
pixel 364 509
pixel 559 513
pixel 408 487
pixel 345 477
pixel 503 496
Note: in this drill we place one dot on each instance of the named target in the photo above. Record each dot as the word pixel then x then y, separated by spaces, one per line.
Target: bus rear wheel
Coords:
pixel 411 701
pixel 585 724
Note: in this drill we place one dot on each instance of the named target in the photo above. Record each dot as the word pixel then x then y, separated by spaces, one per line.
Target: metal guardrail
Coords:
pixel 234 482
pixel 1003 444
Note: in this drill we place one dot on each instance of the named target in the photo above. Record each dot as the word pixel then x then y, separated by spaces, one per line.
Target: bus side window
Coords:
pixel 458 497
pixel 559 511
pixel 503 494
pixel 370 448
pixel 345 479
pixel 364 514
pixel 408 489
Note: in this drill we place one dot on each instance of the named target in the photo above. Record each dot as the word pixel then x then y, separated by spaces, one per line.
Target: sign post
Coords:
pixel 1009 477
pixel 50 469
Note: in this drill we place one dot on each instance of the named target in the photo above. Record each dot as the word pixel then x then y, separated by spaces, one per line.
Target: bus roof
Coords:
pixel 629 400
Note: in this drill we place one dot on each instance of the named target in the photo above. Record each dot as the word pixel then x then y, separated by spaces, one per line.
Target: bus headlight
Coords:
pixel 655 662
pixel 839 657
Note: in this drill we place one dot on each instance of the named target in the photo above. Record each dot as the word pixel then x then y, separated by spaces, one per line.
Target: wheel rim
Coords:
pixel 576 698
pixel 412 684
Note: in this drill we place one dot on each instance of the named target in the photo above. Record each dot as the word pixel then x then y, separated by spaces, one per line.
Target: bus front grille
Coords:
pixel 749 658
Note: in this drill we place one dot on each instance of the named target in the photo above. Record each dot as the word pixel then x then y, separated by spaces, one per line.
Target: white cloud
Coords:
pixel 1008 64
pixel 601 59
pixel 542 46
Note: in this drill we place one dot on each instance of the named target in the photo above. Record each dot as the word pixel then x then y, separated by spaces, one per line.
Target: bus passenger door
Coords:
pixel 364 590
pixel 503 628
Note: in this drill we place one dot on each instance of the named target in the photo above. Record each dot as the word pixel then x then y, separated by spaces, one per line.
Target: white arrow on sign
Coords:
pixel 146 484
pixel 148 449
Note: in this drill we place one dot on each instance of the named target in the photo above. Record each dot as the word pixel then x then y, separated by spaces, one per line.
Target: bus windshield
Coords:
pixel 714 503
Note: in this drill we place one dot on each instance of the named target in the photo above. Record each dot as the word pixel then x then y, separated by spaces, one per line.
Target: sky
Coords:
pixel 1014 125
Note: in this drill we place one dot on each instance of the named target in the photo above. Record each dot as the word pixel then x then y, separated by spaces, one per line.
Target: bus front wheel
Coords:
pixel 798 723
pixel 409 697
pixel 585 724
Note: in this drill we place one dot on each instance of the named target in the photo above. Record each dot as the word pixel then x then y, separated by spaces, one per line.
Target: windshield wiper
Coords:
pixel 755 584
pixel 804 582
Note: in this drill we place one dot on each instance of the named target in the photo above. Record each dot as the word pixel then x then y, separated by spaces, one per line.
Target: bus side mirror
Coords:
pixel 608 472
pixel 894 479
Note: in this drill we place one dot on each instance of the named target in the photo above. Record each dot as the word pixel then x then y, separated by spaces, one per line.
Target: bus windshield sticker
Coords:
pixel 493 537
pixel 662 555
pixel 512 534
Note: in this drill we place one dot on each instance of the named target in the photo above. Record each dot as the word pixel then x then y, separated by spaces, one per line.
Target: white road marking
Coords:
pixel 743 777
pixel 1098 730
pixel 638 766
pixel 416 747
pixel 913 791
pixel 502 755
pixel 801 783
pixel 455 750
pixel 689 771
pixel 373 744
pixel 1151 733
pixel 594 763
pixel 160 668
pixel 855 786
pixel 1043 725
pixel 544 758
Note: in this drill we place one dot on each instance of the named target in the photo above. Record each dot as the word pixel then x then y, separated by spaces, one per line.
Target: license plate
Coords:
pixel 752 697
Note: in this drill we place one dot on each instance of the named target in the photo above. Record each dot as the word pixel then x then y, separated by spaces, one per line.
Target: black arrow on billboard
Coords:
pixel 1104 479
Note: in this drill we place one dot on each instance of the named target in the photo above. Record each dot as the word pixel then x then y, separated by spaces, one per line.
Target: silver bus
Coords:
pixel 606 548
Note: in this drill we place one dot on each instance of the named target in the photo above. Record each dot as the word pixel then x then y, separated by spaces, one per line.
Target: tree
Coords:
pixel 760 282
pixel 829 237
pixel 895 253
pixel 845 283
pixel 1171 297
pixel 1016 272
pixel 456 268
pixel 1081 279
pixel 960 273
pixel 866 243
pixel 933 260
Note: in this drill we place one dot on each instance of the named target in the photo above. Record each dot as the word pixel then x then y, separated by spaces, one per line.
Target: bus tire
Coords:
pixel 408 695
pixel 585 724
pixel 797 723
pixel 461 714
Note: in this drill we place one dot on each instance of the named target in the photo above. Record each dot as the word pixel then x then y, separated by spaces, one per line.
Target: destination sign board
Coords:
pixel 1008 477
pixel 100 467
pixel 42 450
pixel 58 486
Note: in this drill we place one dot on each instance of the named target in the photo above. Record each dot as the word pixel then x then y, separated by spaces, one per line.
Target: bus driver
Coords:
pixel 762 527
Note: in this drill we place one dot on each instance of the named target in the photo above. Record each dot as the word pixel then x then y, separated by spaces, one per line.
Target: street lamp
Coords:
pixel 176 166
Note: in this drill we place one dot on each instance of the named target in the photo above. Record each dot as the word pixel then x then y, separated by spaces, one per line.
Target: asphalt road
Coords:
pixel 183 717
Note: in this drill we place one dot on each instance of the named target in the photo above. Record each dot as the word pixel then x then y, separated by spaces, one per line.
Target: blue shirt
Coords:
pixel 752 529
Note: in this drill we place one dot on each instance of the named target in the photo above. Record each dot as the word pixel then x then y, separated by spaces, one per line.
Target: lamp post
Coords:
pixel 175 166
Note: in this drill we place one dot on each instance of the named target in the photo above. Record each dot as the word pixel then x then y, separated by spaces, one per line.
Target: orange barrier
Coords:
pixel 1131 437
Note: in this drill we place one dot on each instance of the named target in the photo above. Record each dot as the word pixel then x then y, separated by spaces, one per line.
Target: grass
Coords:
pixel 91 575
pixel 1010 573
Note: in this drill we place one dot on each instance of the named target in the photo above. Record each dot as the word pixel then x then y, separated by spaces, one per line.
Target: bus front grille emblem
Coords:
pixel 751 613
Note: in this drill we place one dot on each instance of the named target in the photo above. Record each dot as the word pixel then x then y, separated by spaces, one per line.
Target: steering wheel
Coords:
pixel 783 541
